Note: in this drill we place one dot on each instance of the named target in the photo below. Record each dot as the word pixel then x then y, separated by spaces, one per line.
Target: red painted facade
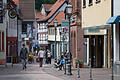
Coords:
pixel 2 49
pixel 76 33
pixel 11 49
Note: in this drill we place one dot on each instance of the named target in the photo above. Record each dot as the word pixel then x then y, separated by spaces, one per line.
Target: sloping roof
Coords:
pixel 16 2
pixel 53 9
pixel 39 15
pixel 60 16
pixel 27 10
pixel 47 6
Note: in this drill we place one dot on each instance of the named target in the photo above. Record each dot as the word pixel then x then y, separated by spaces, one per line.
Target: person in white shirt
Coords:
pixel 49 56
pixel 41 56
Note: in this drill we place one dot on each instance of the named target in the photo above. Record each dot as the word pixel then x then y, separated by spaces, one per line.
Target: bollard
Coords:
pixel 112 76
pixel 65 67
pixel 69 68
pixel 90 67
pixel 78 69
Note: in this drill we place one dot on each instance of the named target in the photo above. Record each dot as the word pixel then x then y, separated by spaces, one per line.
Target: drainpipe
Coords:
pixel 112 55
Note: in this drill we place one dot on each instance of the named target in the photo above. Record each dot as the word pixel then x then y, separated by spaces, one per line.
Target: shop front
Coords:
pixel 96 42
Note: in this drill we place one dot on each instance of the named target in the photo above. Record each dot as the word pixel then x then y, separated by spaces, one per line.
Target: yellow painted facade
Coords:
pixel 97 14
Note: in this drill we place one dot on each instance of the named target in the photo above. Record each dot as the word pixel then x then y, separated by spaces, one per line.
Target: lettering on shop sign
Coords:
pixel 93 30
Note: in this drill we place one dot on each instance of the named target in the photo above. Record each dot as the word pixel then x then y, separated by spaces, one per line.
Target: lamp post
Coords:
pixel 60 32
pixel 69 13
pixel 55 53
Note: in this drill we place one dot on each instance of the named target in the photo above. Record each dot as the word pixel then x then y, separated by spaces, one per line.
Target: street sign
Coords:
pixel 65 23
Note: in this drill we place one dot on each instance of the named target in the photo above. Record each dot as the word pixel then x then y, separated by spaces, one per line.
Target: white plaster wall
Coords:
pixel 116 7
pixel 12 27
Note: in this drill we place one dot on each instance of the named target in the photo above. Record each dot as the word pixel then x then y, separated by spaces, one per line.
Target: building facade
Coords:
pixel 76 32
pixel 42 26
pixel 116 35
pixel 26 19
pixel 11 46
pixel 97 34
pixel 48 20
pixel 61 36
pixel 43 35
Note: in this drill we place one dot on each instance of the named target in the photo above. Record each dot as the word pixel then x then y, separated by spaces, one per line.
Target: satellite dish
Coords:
pixel 12 13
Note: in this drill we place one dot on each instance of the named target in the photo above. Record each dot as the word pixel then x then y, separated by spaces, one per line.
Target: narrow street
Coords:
pixel 73 39
pixel 33 72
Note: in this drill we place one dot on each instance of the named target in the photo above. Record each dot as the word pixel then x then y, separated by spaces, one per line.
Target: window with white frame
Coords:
pixel 40 26
pixel 41 38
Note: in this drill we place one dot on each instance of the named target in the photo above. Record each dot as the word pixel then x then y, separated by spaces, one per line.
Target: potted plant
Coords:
pixel 80 63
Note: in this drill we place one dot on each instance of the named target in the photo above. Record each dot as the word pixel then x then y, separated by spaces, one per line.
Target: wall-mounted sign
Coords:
pixel 93 30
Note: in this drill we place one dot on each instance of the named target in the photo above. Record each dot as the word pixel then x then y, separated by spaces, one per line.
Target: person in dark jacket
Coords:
pixel 24 56
pixel 46 57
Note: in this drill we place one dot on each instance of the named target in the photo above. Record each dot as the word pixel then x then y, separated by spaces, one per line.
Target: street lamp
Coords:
pixel 69 13
pixel 55 53
pixel 60 32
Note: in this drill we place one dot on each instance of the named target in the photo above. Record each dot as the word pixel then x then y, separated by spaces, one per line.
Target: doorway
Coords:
pixel 97 50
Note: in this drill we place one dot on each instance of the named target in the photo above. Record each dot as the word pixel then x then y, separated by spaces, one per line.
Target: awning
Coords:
pixel 36 45
pixel 113 20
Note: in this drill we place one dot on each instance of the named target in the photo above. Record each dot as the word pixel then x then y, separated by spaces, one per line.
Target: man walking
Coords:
pixel 24 55
pixel 41 56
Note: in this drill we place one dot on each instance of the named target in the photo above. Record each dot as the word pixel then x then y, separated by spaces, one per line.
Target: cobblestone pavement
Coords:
pixel 33 72
pixel 98 73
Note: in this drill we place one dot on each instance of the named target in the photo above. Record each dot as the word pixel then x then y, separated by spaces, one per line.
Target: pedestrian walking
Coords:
pixel 49 56
pixel 46 57
pixel 24 56
pixel 41 56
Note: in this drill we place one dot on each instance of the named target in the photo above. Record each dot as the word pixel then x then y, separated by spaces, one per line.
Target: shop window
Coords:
pixel 84 3
pixel 90 2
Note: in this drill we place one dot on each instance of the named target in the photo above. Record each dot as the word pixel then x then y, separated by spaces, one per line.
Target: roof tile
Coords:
pixel 60 16
pixel 53 9
pixel 47 6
